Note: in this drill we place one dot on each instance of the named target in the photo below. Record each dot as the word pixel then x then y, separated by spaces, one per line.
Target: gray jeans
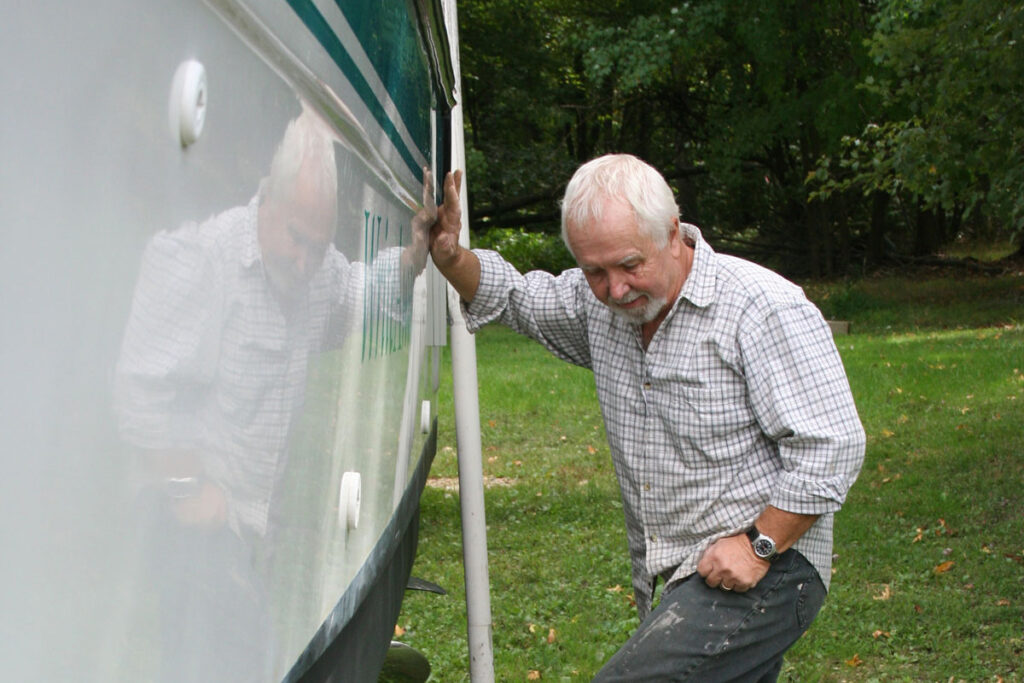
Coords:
pixel 709 635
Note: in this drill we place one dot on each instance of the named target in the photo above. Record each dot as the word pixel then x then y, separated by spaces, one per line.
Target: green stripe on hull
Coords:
pixel 328 39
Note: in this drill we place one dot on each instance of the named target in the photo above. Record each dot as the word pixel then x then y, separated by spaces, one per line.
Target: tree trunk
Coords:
pixel 879 225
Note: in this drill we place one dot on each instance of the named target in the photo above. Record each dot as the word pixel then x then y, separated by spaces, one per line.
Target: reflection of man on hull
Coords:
pixel 210 382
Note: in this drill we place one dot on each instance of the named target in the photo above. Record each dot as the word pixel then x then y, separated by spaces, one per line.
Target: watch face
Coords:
pixel 764 547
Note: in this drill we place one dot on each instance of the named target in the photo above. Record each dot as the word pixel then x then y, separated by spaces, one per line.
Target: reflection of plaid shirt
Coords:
pixel 210 363
pixel 740 401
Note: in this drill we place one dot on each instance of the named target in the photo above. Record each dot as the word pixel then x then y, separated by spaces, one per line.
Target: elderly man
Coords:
pixel 729 417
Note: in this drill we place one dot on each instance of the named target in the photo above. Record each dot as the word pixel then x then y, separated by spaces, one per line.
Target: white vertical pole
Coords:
pixel 467 426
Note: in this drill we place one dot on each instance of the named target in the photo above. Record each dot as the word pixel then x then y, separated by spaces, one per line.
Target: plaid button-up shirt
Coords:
pixel 740 401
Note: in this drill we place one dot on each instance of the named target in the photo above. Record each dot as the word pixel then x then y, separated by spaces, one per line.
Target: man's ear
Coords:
pixel 675 238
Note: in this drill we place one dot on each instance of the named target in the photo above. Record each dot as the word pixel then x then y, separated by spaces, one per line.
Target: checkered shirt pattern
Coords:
pixel 740 401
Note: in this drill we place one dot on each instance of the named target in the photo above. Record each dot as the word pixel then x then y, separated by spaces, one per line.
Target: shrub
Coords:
pixel 528 250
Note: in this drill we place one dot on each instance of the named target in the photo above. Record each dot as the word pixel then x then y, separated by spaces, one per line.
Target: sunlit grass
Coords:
pixel 929 573
pixel 985 251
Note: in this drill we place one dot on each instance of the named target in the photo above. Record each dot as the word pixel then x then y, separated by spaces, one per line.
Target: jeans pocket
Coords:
pixel 810 597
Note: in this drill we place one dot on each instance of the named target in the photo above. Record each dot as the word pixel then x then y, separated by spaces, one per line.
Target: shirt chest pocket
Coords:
pixel 707 426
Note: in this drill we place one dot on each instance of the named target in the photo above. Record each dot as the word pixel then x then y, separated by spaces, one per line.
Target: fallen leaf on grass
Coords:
pixel 551 635
pixel 533 675
pixel 533 628
pixel 880 634
pixel 591 450
pixel 854 661
pixel 944 567
pixel 885 594
pixel 1003 602
pixel 399 631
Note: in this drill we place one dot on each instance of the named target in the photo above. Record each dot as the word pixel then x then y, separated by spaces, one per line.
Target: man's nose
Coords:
pixel 310 259
pixel 617 286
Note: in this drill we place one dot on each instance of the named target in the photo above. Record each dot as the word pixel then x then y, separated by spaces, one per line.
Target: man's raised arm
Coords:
pixel 459 265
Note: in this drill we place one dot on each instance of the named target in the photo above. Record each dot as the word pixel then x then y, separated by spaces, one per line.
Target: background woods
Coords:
pixel 819 137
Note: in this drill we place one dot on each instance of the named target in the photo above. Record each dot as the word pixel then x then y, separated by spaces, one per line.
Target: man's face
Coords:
pixel 294 234
pixel 624 268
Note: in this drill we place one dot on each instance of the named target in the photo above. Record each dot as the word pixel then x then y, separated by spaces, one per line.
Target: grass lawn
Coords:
pixel 928 581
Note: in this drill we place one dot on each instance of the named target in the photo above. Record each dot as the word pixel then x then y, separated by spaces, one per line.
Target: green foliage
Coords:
pixel 772 121
pixel 528 250
pixel 732 102
pixel 950 79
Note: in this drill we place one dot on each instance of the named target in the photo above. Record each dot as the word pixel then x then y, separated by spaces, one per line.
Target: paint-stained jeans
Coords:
pixel 709 635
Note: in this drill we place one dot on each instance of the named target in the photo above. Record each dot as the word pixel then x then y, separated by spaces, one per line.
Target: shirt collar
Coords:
pixel 699 288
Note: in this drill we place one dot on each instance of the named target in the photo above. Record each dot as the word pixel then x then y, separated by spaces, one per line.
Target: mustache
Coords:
pixel 628 299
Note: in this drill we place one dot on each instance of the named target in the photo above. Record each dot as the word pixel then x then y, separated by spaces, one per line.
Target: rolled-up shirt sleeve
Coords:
pixel 547 308
pixel 802 399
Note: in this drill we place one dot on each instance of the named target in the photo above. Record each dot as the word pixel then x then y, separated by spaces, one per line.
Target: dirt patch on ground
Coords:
pixel 452 483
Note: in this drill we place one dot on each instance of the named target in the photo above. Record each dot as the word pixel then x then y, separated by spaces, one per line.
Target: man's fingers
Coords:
pixel 452 187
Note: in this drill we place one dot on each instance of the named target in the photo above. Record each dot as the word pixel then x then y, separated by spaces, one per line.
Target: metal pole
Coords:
pixel 467 427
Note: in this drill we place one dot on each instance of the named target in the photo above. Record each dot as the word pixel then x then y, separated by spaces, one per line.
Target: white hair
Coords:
pixel 623 177
pixel 306 150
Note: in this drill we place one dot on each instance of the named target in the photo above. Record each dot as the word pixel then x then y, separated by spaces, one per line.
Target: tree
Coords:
pixel 808 135
pixel 947 140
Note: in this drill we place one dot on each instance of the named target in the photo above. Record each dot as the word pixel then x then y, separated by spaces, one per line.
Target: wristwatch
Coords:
pixel 764 546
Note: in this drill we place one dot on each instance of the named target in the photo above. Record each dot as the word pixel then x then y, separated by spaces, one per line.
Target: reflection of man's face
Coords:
pixel 296 225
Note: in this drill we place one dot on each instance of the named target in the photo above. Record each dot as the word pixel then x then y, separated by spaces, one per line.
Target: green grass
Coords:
pixel 982 250
pixel 937 369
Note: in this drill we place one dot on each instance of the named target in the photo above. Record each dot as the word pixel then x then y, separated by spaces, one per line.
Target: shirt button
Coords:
pixel 647 487
pixel 654 538
pixel 647 385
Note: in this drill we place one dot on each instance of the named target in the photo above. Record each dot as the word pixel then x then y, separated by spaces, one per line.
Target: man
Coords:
pixel 729 417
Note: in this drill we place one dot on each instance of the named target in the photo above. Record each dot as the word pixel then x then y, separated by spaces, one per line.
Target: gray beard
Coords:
pixel 641 315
